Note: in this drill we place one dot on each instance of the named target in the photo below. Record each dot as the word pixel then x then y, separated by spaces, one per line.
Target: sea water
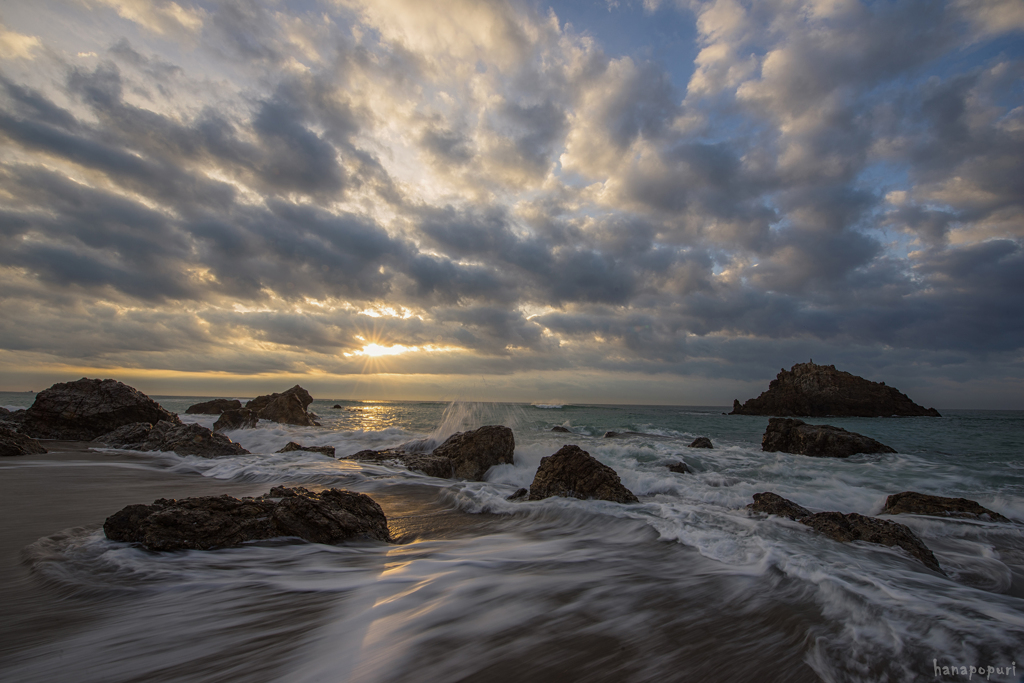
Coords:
pixel 685 585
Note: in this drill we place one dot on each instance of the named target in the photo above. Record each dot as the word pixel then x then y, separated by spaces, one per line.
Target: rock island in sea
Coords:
pixel 809 390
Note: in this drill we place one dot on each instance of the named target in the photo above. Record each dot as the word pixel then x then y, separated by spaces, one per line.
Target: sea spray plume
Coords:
pixel 461 416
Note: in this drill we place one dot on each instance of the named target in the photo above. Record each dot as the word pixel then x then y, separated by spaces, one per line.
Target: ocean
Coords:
pixel 686 585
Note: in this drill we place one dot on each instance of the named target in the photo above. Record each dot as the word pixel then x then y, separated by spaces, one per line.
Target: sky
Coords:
pixel 603 201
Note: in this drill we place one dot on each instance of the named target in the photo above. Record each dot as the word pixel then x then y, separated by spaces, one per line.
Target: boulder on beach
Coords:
pixel 205 523
pixel 824 441
pixel 214 407
pixel 242 418
pixel 573 473
pixel 183 439
pixel 679 468
pixel 13 443
pixel 323 450
pixel 466 455
pixel 913 503
pixel 848 527
pixel 809 390
pixel 701 442
pixel 87 408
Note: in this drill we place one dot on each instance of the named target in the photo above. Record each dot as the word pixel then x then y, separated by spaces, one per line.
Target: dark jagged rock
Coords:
pixel 848 527
pixel 913 503
pixel 243 418
pixel 520 494
pixel 87 408
pixel 13 418
pixel 773 504
pixel 680 468
pixel 287 409
pixel 209 522
pixel 702 442
pixel 825 441
pixel 214 407
pixel 261 402
pixel 323 450
pixel 13 443
pixel 183 439
pixel 466 455
pixel 560 428
pixel 474 452
pixel 809 390
pixel 574 473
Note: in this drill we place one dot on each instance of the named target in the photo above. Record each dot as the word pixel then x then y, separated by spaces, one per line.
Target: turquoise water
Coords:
pixel 686 584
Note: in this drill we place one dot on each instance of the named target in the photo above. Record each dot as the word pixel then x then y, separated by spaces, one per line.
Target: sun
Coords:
pixel 376 350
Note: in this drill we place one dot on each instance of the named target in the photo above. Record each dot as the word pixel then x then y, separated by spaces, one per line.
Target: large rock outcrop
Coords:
pixel 214 407
pixel 183 439
pixel 13 443
pixel 209 522
pixel 823 441
pixel 87 408
pixel 574 473
pixel 289 407
pixel 848 527
pixel 913 503
pixel 242 418
pixel 809 390
pixel 466 455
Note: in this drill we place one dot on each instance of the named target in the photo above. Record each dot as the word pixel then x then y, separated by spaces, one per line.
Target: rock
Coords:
pixel 617 435
pixel 214 407
pixel 287 409
pixel 243 418
pixel 773 504
pixel 473 453
pixel 574 473
pixel 261 402
pixel 87 408
pixel 209 522
pixel 796 436
pixel 702 442
pixel 13 417
pixel 183 439
pixel 848 527
pixel 560 428
pixel 913 503
pixel 336 407
pixel 679 468
pixel 292 446
pixel 431 465
pixel 520 494
pixel 809 390
pixel 13 443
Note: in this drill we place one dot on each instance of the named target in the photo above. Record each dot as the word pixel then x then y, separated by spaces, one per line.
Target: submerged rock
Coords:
pixel 336 407
pixel 214 407
pixel 13 443
pixel 679 468
pixel 848 527
pixel 467 455
pixel 913 503
pixel 809 390
pixel 621 435
pixel 560 428
pixel 209 522
pixel 242 418
pixel 323 450
pixel 574 473
pixel 824 441
pixel 183 439
pixel 520 494
pixel 701 442
pixel 87 408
